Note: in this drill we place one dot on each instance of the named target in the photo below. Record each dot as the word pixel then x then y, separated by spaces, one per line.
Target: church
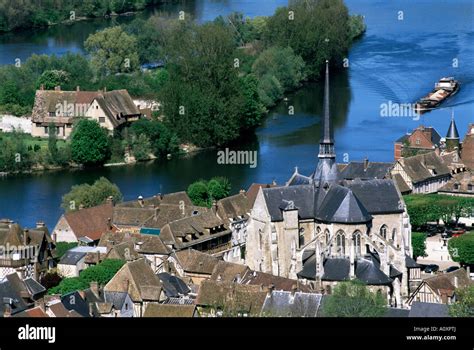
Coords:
pixel 322 229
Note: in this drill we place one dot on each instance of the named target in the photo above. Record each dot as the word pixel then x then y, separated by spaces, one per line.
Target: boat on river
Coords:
pixel 444 88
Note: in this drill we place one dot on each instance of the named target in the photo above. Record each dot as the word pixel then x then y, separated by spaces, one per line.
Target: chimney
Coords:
pixel 98 256
pixel 294 289
pixel 54 236
pixel 270 289
pixel 8 309
pixel 42 87
pixel 105 88
pixel 468 271
pixel 110 200
pixel 25 236
pixel 141 201
pixel 456 282
pixel 214 205
pixel 155 213
pixel 78 88
pixel 366 163
pixel 40 303
pixel 109 223
pixel 94 286
pixel 242 191
pixel 81 206
pixel 57 88
pixel 40 224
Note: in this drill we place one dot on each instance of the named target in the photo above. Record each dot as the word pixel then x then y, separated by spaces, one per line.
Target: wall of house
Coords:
pixel 63 231
pixel 430 185
pixel 96 112
pixel 37 130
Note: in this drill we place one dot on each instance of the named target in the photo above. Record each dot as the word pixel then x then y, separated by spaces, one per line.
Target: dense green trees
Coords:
pixel 203 193
pixel 89 143
pixel 461 248
pixel 63 247
pixel 354 299
pixel 433 207
pixel 112 51
pixel 33 13
pixel 316 30
pixel 87 196
pixel 101 273
pixel 418 242
pixel 464 305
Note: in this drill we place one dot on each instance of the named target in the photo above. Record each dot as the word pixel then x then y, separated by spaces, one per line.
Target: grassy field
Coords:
pixel 32 141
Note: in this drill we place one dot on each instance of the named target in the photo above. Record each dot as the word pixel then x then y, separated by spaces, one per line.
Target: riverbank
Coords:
pixel 35 16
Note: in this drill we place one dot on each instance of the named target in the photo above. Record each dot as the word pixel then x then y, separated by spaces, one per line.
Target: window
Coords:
pixel 341 243
pixel 327 237
pixel 101 120
pixel 383 231
pixel 394 234
pixel 356 238
pixel 52 114
pixel 456 186
pixel 417 141
pixel 469 187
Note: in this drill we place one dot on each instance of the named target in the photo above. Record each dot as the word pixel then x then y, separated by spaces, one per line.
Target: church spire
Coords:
pixel 326 169
pixel 452 137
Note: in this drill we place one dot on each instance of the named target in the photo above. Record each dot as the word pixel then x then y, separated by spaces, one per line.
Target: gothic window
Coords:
pixel 293 248
pixel 383 231
pixel 327 237
pixel 394 234
pixel 260 239
pixel 357 247
pixel 341 243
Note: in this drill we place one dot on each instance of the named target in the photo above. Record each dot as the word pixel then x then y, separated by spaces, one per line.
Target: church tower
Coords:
pixel 326 170
pixel 452 137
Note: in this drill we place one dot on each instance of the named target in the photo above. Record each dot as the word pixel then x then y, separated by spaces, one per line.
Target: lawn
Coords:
pixel 32 141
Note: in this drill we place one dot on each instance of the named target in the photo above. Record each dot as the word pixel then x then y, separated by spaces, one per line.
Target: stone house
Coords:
pixel 62 108
pixel 84 226
pixel 234 211
pixel 467 151
pixel 170 310
pixel 27 252
pixel 441 288
pixel 423 173
pixel 421 140
pixel 128 245
pixel 74 260
pixel 18 295
pixel 224 299
pixel 140 282
pixel 193 264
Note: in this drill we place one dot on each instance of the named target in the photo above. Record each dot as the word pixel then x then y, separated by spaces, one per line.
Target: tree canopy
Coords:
pixel 354 299
pixel 461 248
pixel 464 305
pixel 87 196
pixel 203 193
pixel 418 242
pixel 89 143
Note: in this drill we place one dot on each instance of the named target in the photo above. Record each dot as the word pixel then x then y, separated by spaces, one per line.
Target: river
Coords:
pixel 396 60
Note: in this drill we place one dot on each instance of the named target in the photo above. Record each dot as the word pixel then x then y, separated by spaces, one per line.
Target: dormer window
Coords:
pixel 456 186
pixel 418 141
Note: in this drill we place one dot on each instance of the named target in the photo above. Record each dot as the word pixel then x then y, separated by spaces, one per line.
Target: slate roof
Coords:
pixel 252 191
pixel 424 166
pixel 410 262
pixel 363 170
pixel 173 286
pixel 377 196
pixel 90 222
pixel 422 309
pixel 169 310
pixel 452 130
pixel 338 269
pixel 194 261
pixel 302 197
pixel 34 287
pixel 396 312
pixel 116 299
pixel 74 301
pixel 59 310
pixel 267 280
pixel 71 258
pixel 340 205
pixel 288 304
pixel 9 292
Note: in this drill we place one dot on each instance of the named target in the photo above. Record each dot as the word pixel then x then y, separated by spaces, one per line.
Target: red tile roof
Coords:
pixel 90 222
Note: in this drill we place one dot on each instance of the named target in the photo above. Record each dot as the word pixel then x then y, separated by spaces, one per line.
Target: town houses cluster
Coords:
pixel 269 250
